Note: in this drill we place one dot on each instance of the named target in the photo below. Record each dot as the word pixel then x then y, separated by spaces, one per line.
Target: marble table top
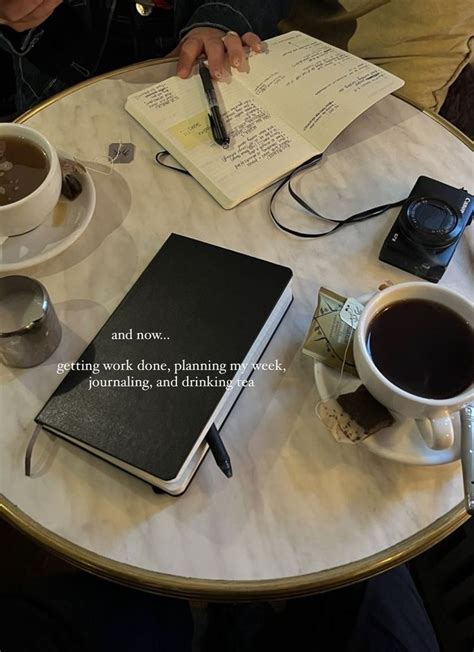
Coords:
pixel 302 512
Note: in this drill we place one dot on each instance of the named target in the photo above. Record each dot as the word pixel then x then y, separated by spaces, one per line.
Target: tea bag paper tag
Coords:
pixel 351 312
pixel 121 152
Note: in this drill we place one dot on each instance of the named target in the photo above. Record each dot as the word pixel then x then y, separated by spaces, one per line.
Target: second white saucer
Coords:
pixel 61 228
pixel 401 442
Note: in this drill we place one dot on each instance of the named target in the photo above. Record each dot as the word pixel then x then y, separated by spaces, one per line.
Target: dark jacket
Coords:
pixel 85 37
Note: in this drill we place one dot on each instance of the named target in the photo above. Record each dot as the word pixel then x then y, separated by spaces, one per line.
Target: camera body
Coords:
pixel 427 230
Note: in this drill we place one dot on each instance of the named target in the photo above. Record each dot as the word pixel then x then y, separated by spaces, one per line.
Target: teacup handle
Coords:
pixel 438 433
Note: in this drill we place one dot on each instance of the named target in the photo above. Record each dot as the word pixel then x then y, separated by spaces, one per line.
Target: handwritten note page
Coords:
pixel 262 146
pixel 332 86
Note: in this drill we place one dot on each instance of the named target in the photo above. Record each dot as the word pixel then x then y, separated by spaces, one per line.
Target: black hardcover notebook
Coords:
pixel 198 306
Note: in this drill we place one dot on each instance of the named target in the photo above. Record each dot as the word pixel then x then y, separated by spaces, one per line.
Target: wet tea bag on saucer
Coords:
pixel 72 173
pixel 350 417
pixel 353 417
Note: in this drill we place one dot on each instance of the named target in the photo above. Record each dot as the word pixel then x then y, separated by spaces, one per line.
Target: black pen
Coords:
pixel 219 452
pixel 218 129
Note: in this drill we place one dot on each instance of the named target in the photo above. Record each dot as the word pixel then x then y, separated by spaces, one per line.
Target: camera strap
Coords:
pixel 352 219
pixel 161 158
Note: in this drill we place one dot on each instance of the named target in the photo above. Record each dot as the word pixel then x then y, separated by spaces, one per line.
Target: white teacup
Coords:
pixel 432 416
pixel 31 211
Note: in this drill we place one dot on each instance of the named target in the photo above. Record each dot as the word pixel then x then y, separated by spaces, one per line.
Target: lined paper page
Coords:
pixel 332 87
pixel 262 148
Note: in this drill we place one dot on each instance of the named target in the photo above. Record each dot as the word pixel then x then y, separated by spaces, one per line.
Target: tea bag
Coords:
pixel 71 171
pixel 356 415
pixel 329 337
pixel 353 417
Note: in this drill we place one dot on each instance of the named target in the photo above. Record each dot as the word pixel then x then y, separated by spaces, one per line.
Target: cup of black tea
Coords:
pixel 414 351
pixel 30 179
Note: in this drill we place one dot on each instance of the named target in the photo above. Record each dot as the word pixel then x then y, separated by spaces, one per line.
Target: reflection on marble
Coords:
pixel 298 502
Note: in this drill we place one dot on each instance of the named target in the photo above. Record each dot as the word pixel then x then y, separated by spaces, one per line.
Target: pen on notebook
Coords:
pixel 219 132
pixel 219 452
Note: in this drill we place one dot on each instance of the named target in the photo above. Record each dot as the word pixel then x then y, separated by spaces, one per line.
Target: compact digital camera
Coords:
pixel 427 230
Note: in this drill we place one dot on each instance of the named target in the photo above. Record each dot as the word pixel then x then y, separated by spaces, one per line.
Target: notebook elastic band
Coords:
pixel 29 450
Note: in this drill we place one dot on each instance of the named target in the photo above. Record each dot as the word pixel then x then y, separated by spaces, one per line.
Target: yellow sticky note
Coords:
pixel 193 131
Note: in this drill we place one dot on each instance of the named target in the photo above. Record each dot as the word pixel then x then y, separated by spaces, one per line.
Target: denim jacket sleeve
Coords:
pixel 66 56
pixel 259 16
pixel 47 59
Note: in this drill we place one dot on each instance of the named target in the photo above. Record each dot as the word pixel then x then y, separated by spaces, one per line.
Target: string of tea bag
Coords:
pixel 72 169
pixel 336 391
pixel 110 160
pixel 328 411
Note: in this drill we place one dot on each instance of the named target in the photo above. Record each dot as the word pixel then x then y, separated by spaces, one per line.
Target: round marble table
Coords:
pixel 302 513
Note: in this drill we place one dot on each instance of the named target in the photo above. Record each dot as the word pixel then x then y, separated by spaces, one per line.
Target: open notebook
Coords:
pixel 289 105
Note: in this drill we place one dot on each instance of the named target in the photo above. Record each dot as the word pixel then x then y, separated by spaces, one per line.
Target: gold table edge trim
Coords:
pixel 195 588
pixel 234 590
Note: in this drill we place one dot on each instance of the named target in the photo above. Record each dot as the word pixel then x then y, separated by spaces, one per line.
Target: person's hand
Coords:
pixel 220 48
pixel 21 15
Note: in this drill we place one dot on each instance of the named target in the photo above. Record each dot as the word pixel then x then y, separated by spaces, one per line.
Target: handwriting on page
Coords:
pixel 255 139
pixel 317 56
pixel 244 117
pixel 274 79
pixel 263 146
pixel 316 88
pixel 306 59
pixel 157 97
pixel 324 112
pixel 364 78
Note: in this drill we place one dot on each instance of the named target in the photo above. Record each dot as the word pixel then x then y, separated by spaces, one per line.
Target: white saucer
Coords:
pixel 60 229
pixel 401 442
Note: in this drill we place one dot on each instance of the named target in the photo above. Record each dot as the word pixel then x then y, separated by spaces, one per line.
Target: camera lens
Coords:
pixel 431 222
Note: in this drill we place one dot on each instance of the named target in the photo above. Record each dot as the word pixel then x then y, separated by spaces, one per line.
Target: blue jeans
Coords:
pixel 383 614
pixel 79 613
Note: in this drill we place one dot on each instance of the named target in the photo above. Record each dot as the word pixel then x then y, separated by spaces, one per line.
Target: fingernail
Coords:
pixel 217 74
pixel 236 63
pixel 182 72
pixel 258 47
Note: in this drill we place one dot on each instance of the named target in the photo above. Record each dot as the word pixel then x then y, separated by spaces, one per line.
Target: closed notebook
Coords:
pixel 198 306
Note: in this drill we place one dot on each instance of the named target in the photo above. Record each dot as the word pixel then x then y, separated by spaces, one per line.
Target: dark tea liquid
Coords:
pixel 423 347
pixel 23 168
